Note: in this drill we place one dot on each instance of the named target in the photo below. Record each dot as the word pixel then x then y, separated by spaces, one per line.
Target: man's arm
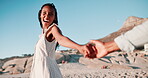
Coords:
pixel 128 41
pixel 102 49
pixel 134 38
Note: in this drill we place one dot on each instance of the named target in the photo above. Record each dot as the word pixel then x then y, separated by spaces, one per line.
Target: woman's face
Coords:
pixel 47 16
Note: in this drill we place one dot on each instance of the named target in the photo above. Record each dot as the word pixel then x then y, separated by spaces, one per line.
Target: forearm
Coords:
pixel 111 46
pixel 66 42
pixel 62 40
pixel 134 38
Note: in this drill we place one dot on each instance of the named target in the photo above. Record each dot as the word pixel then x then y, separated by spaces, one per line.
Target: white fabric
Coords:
pixel 134 38
pixel 44 64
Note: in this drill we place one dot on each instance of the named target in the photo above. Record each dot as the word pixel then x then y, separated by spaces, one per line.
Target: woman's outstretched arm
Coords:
pixel 66 42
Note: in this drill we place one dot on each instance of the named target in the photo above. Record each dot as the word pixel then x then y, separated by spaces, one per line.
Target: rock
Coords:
pixel 129 54
pixel 120 60
pixel 19 62
pixel 23 65
pixel 106 59
pixel 15 66
pixel 60 57
pixel 74 58
pixel 29 62
pixel 1 70
pixel 98 64
pixel 130 23
pixel 1 63
pixel 14 70
pixel 133 21
pixel 117 66
pixel 131 59
pixel 28 65
pixel 114 54
pixel 113 61
pixel 93 63
pixel 139 60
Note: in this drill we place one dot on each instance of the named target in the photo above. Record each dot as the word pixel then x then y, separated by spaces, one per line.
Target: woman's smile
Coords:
pixel 47 21
pixel 47 16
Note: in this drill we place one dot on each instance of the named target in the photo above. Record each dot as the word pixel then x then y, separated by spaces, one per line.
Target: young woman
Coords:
pixel 44 64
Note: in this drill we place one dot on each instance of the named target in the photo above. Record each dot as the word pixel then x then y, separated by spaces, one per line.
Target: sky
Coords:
pixel 80 20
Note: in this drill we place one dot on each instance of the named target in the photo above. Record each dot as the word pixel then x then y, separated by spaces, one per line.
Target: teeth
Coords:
pixel 46 21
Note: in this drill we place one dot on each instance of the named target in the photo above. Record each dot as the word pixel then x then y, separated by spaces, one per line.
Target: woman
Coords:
pixel 44 64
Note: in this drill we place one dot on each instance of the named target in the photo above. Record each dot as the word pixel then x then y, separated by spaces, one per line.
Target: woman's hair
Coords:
pixel 50 5
pixel 54 21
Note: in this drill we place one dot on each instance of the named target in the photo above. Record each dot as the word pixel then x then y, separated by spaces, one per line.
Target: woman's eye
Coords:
pixel 44 13
pixel 51 14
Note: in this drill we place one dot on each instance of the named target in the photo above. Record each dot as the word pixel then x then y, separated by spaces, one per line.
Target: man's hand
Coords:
pixel 87 50
pixel 100 48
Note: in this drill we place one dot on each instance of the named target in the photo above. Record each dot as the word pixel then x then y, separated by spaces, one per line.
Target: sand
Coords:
pixel 77 70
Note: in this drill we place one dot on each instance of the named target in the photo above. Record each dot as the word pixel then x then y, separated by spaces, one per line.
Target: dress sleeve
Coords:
pixel 134 38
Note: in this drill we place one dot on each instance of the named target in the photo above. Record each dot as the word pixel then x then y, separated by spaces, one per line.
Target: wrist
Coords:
pixel 111 46
pixel 78 47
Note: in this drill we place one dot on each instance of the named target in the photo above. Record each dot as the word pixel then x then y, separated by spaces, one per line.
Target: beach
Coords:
pixel 76 71
pixel 114 65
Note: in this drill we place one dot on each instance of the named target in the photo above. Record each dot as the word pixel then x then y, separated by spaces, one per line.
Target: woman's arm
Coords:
pixel 66 42
pixel 62 40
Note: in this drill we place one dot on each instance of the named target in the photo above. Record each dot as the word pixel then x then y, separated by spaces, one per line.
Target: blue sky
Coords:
pixel 80 20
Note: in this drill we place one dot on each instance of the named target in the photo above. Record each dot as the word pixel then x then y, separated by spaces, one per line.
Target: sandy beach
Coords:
pixel 119 65
pixel 75 70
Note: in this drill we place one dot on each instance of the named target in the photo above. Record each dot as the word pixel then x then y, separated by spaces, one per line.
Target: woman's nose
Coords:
pixel 47 17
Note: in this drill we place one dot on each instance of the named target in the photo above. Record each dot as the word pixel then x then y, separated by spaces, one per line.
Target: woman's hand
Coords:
pixel 87 50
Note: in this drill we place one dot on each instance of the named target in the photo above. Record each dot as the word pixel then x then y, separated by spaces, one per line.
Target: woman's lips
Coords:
pixel 46 21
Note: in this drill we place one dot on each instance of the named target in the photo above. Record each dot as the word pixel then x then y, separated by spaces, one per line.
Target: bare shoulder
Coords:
pixel 55 28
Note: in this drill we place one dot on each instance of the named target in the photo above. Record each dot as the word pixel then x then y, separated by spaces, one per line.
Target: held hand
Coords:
pixel 93 52
pixel 100 48
pixel 87 51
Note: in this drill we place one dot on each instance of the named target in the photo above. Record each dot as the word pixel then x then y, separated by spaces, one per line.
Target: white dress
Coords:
pixel 44 63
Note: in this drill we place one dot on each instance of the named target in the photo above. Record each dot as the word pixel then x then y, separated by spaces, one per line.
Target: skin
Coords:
pixel 47 16
pixel 102 49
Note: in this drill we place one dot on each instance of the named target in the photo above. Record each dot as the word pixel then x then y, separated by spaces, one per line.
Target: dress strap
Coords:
pixel 46 30
pixel 51 27
pixel 54 24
